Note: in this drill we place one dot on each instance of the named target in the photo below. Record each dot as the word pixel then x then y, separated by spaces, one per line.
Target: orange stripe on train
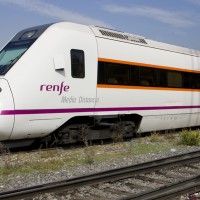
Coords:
pixel 145 88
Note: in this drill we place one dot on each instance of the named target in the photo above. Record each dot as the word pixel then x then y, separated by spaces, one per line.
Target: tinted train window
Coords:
pixel 135 79
pixel 11 53
pixel 148 76
pixel 77 63
pixel 174 79
pixel 163 78
pixel 186 80
pixel 117 74
pixel 195 81
pixel 101 73
pixel 124 74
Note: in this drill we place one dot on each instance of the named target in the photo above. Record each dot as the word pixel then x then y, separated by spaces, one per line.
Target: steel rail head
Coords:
pixel 190 185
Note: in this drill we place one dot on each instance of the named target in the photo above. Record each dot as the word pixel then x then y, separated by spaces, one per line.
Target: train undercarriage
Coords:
pixel 84 129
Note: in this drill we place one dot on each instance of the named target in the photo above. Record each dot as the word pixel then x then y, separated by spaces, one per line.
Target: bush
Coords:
pixel 89 155
pixel 190 137
pixel 156 137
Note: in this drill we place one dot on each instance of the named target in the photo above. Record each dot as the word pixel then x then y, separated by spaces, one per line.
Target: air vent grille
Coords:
pixel 122 36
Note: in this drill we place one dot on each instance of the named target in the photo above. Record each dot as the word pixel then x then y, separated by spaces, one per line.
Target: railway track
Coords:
pixel 112 183
pixel 170 191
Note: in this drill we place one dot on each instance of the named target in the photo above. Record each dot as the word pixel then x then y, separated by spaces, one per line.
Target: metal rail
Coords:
pixel 105 176
pixel 190 185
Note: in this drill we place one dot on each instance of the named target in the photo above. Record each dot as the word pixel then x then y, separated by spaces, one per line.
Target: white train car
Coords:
pixel 67 82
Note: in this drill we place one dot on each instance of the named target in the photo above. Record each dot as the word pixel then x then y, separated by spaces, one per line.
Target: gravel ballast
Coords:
pixel 35 177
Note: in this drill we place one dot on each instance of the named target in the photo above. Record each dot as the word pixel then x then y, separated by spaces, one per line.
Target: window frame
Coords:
pixel 78 67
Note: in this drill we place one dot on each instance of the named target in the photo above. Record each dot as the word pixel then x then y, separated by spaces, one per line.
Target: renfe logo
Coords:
pixel 52 88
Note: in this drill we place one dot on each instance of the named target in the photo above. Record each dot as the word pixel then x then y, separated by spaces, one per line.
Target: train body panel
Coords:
pixel 161 109
pixel 6 104
pixel 68 76
pixel 39 107
pixel 154 106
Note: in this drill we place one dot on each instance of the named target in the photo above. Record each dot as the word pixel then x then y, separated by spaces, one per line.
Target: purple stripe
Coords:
pixel 75 110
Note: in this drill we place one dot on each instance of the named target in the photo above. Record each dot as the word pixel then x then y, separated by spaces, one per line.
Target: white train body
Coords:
pixel 40 92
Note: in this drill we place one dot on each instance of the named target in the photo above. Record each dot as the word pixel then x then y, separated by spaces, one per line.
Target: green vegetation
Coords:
pixel 155 137
pixel 190 137
pixel 56 159
pixel 89 155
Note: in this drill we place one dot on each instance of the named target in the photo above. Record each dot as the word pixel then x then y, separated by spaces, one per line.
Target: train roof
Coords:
pixel 111 34
pixel 37 31
pixel 139 40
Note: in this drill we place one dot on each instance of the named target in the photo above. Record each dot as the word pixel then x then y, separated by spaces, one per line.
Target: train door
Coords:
pixel 81 76
pixel 83 79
